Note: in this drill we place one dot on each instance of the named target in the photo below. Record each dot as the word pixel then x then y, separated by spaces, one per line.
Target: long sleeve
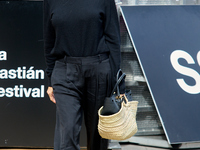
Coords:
pixel 112 34
pixel 49 40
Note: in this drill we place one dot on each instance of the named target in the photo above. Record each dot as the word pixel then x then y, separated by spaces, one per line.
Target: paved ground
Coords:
pixel 137 147
pixel 123 147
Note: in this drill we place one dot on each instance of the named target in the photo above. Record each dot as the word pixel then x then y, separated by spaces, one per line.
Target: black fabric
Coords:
pixel 111 106
pixel 80 29
pixel 79 86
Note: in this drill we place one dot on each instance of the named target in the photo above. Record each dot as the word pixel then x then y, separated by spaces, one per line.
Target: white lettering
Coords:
pixel 2 92
pixel 39 74
pixel 16 89
pixel 42 91
pixel 36 92
pixel 9 92
pixel 30 73
pixel 198 58
pixel 24 73
pixel 175 56
pixel 27 92
pixel 3 74
pixel 3 55
pixel 20 91
pixel 21 73
pixel 12 74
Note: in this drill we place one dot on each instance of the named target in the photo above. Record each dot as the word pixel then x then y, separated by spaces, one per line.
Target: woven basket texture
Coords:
pixel 119 126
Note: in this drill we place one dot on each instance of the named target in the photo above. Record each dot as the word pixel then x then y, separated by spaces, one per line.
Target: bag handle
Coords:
pixel 119 79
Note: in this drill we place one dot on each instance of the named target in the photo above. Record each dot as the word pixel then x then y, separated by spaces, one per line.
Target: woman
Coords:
pixel 82 51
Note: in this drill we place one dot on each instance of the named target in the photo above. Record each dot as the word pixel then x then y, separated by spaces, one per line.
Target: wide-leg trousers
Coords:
pixel 80 85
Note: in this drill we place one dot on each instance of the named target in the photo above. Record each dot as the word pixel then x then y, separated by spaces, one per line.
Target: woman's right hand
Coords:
pixel 51 95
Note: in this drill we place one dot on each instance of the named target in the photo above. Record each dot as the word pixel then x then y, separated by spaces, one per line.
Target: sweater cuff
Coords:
pixel 49 82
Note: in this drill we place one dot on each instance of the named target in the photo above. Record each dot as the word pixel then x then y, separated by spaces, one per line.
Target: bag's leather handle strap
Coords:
pixel 119 79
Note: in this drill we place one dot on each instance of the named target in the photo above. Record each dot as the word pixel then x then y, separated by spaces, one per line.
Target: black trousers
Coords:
pixel 80 85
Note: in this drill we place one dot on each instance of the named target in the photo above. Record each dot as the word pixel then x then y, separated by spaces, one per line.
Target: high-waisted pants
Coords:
pixel 80 85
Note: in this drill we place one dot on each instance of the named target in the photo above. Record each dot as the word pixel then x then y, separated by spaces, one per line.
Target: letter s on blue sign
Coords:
pixel 175 55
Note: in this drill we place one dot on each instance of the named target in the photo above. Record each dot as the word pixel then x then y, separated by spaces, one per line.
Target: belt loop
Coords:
pixel 65 59
pixel 100 60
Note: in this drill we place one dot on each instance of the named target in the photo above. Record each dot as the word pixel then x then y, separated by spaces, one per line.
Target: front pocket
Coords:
pixel 58 74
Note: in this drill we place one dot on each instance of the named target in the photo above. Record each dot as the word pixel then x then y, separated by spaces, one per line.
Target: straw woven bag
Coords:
pixel 120 125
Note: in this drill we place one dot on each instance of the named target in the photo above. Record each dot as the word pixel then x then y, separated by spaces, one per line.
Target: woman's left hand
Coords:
pixel 122 95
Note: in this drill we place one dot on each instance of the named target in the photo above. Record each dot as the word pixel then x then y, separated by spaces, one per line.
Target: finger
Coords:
pixel 51 94
pixel 122 95
pixel 52 98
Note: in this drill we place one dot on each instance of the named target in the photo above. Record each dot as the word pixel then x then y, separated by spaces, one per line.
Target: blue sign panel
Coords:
pixel 167 42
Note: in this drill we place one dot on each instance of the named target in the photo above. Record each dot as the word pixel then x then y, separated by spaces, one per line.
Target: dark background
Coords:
pixel 25 122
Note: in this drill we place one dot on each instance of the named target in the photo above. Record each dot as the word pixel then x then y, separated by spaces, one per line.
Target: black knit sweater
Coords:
pixel 80 28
